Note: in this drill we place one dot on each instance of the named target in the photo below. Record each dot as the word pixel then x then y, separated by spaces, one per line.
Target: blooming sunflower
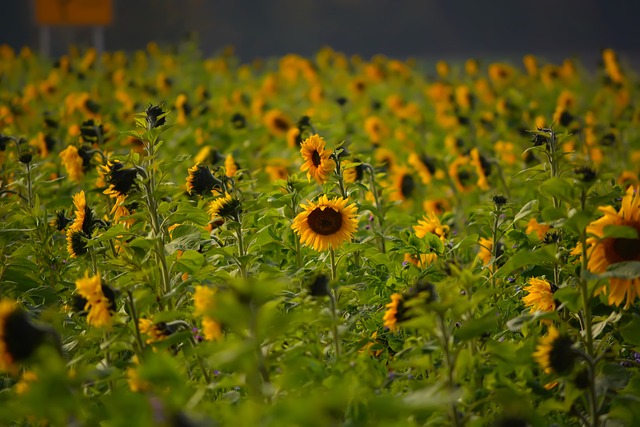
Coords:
pixel 436 206
pixel 100 299
pixel 73 163
pixel 225 206
pixel 204 302
pixel 430 223
pixel 603 252
pixel 424 165
pixel 317 160
pixel 540 229
pixel 555 352
pixel 462 172
pixel 277 123
pixel 200 180
pixel 421 260
pixel 350 172
pixel 19 338
pixel 326 223
pixel 403 185
pixel 154 331
pixel 483 168
pixel 540 296
pixel 230 166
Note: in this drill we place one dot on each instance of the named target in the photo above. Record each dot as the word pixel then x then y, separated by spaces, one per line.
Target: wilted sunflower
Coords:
pixel 326 223
pixel 100 299
pixel 225 206
pixel 317 160
pixel 200 180
pixel 540 296
pixel 603 252
pixel 430 223
pixel 555 352
pixel 19 338
pixel 120 179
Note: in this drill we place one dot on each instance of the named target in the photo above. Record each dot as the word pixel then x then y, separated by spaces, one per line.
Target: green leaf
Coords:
pixel 526 210
pixel 620 231
pixel 558 188
pixel 190 262
pixel 631 331
pixel 550 214
pixel 569 296
pixel 623 270
pixel 477 327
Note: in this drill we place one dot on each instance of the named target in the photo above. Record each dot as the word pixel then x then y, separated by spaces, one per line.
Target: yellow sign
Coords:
pixel 74 12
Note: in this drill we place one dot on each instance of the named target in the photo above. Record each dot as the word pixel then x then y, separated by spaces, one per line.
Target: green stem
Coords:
pixel 241 248
pixel 379 207
pixel 135 318
pixel 449 365
pixel 333 298
pixel 29 190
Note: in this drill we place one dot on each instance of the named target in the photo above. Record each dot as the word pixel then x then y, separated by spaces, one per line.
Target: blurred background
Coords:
pixel 426 29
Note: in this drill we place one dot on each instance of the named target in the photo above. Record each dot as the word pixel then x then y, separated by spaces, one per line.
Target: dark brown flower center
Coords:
pixel 619 249
pixel 280 124
pixel 407 185
pixel 325 222
pixel 315 158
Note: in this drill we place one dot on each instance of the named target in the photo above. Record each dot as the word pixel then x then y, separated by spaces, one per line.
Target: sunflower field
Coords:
pixel 321 241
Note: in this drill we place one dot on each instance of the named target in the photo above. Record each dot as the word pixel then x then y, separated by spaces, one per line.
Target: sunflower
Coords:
pixel 204 303
pixel 154 331
pixel 230 166
pixel 540 229
pixel 225 206
pixel 424 165
pixel 73 163
pixel 120 179
pixel 326 223
pixel 277 169
pixel 420 260
pixel 100 299
pixel 462 173
pixel 60 221
pixel 376 129
pixel 403 185
pixel 436 206
pixel 540 296
pixel 352 173
pixel 19 338
pixel 317 160
pixel 603 252
pixel 200 180
pixel 555 352
pixel 76 243
pixel 120 210
pixel 208 155
pixel 391 315
pixel 483 168
pixel 293 137
pixel 385 158
pixel 277 123
pixel 430 223
pixel 485 254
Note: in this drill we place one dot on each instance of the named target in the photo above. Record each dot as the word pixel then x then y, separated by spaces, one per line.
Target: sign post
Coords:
pixel 94 13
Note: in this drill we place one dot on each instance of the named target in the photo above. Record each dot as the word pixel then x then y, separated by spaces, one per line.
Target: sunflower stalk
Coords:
pixel 379 207
pixel 333 298
pixel 136 326
pixel 449 361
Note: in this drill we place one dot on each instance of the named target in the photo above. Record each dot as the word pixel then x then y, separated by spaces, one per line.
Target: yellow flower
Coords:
pixel 100 300
pixel 200 180
pixel 555 352
pixel 277 123
pixel 436 206
pixel 603 252
pixel 154 331
pixel 540 296
pixel 540 229
pixel 317 159
pixel 204 303
pixel 225 206
pixel 18 337
pixel 230 166
pixel 424 165
pixel 421 260
pixel 391 315
pixel 403 185
pixel 430 223
pixel 486 255
pixel 326 223
pixel 376 129
pixel 73 163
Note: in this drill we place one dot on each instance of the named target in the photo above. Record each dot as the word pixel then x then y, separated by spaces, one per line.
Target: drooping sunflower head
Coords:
pixel 540 295
pixel 120 180
pixel 226 206
pixel 604 251
pixel 60 221
pixel 84 220
pixel 201 181
pixel 317 159
pixel 555 352
pixel 326 223
pixel 19 338
pixel 154 116
pixel 76 242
